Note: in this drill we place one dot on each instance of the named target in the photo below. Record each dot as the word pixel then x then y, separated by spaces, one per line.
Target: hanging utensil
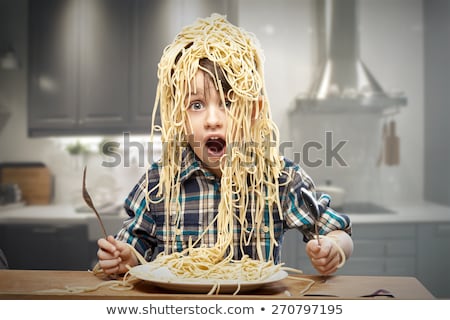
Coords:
pixel 87 198
pixel 392 145
pixel 313 207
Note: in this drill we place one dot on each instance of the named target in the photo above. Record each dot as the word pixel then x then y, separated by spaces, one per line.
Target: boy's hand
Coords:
pixel 114 256
pixel 325 257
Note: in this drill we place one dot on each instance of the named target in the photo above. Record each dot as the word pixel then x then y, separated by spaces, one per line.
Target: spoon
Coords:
pixel 313 207
pixel 87 198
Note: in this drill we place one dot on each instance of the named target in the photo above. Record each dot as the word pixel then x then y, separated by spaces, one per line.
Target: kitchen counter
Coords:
pixel 420 212
pixel 31 284
pixel 42 214
pixel 66 214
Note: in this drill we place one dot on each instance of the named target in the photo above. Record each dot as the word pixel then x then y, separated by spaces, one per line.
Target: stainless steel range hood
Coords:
pixel 343 82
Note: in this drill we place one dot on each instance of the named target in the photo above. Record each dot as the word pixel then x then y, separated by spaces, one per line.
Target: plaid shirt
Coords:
pixel 148 232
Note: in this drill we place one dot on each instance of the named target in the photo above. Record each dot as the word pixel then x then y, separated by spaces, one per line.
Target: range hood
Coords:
pixel 343 83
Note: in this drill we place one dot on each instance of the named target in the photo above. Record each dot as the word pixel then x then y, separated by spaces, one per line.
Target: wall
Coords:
pixel 394 50
pixel 391 45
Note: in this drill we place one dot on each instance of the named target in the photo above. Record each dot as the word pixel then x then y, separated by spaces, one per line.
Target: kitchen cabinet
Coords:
pixel 436 19
pixel 46 246
pixel 379 249
pixel 388 249
pixel 105 39
pixel 53 66
pixel 80 68
pixel 433 264
pixel 93 63
pixel 79 74
pixel 150 41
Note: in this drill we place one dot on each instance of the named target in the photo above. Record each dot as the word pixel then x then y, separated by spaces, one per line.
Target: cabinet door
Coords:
pixel 73 248
pixel 45 247
pixel 379 249
pixel 30 247
pixel 156 24
pixel 105 65
pixel 53 65
pixel 434 259
pixel 79 67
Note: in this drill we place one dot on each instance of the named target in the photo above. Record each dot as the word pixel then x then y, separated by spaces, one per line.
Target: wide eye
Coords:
pixel 196 106
pixel 227 104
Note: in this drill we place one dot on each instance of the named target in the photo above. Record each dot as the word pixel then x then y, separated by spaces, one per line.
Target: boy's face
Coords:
pixel 207 122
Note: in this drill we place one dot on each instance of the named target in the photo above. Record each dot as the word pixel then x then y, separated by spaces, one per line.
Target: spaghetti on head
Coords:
pixel 251 165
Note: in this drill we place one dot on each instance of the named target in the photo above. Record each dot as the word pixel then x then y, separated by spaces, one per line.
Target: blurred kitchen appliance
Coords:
pixel 337 124
pixel 342 81
pixel 33 179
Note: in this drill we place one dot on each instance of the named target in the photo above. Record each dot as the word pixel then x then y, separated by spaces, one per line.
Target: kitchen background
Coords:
pixel 76 74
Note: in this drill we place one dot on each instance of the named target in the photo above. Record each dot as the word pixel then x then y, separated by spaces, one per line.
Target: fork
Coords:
pixel 87 198
pixel 311 204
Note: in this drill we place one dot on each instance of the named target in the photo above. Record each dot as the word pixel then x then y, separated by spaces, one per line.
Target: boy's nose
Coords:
pixel 213 117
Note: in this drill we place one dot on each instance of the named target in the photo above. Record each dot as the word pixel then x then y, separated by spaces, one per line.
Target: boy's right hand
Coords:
pixel 115 256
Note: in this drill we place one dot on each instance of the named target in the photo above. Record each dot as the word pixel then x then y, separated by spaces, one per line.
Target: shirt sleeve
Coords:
pixel 297 215
pixel 139 229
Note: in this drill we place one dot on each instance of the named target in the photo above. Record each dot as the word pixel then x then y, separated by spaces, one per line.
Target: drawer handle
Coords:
pixel 44 230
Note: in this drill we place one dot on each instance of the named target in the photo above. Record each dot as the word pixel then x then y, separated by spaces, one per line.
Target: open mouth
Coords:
pixel 215 146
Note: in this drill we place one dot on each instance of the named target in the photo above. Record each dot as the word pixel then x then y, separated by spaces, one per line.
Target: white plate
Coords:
pixel 163 278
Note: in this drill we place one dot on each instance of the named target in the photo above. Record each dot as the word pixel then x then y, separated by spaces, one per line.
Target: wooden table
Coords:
pixel 30 284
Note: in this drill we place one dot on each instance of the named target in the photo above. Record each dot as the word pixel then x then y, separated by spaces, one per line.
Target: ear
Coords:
pixel 257 107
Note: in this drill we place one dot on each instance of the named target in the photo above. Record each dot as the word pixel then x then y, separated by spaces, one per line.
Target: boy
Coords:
pixel 220 183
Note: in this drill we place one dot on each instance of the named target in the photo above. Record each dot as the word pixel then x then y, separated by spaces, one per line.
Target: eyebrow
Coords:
pixel 193 95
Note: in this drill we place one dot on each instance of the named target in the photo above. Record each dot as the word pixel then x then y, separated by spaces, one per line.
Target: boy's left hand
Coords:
pixel 325 257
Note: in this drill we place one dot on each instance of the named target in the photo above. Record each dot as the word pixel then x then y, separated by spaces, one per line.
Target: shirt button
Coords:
pixel 266 229
pixel 178 232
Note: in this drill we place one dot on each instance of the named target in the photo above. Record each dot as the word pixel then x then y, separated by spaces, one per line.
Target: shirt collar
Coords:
pixel 191 164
